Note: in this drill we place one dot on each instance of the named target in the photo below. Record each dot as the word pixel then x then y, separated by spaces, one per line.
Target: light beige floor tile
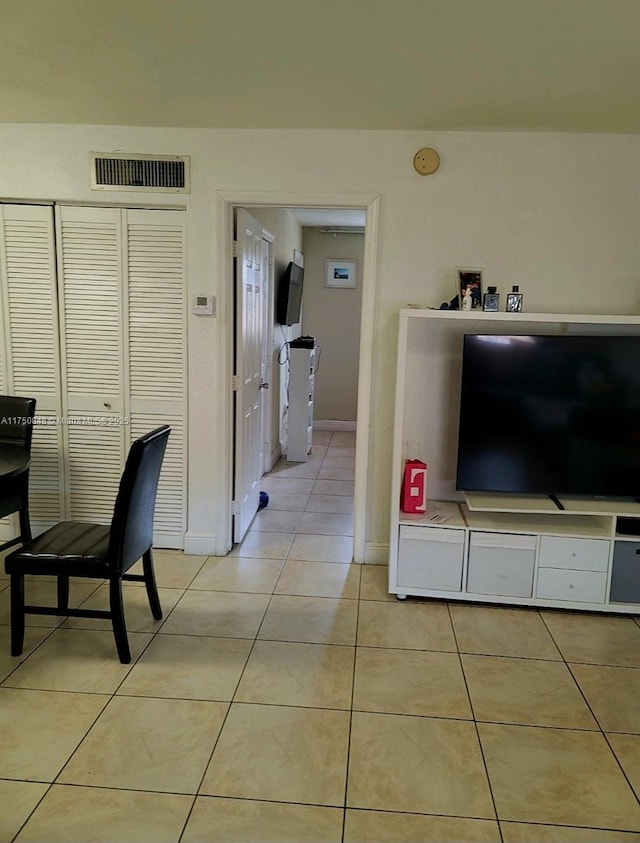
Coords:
pixel 339 460
pixel 243 820
pixel 334 472
pixel 97 815
pixel 137 612
pixel 319 579
pixel 41 593
pixel 374 583
pixel 405 626
pixel 278 485
pixel 287 501
pixel 531 833
pixel 526 691
pixel 77 660
pixel 343 439
pixel 333 487
pixel 627 750
pixel 18 799
pixel 595 639
pixel 33 636
pixel 410 682
pixel 326 523
pixel 340 450
pixel 148 744
pixel 557 776
pixel 383 827
pixel 276 521
pixel 313 548
pixel 417 764
pixel 492 631
pixel 310 675
pixel 238 574
pixel 297 470
pixel 312 620
pixel 321 437
pixel 173 568
pixel 264 545
pixel 188 667
pixel 613 694
pixel 40 729
pixel 330 503
pixel 281 754
pixel 219 613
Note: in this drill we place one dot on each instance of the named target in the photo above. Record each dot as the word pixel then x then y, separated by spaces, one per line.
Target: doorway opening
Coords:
pixel 337 450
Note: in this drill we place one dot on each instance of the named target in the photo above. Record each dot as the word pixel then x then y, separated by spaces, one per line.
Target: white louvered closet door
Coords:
pixel 155 273
pixel 92 312
pixel 29 351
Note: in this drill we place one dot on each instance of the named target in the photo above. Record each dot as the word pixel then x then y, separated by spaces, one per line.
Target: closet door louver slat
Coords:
pixel 95 461
pixel 157 353
pixel 28 275
pixel 91 308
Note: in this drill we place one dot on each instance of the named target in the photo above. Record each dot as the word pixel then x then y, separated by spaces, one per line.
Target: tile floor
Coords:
pixel 287 697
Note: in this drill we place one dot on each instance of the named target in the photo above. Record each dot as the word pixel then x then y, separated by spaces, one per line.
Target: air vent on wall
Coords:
pixel 157 173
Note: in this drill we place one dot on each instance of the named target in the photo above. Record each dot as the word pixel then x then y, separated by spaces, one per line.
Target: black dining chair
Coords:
pixel 16 430
pixel 76 549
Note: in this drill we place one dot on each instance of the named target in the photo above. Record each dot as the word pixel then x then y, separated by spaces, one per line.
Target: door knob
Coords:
pixel 263 385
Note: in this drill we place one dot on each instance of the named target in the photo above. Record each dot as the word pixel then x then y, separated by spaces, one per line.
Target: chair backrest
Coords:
pixel 132 523
pixel 16 420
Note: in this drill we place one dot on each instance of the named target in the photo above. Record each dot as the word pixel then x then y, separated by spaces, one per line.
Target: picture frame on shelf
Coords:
pixel 470 285
pixel 341 274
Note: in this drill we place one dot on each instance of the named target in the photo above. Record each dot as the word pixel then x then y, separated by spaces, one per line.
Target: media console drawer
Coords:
pixel 574 554
pixel 501 564
pixel 578 586
pixel 430 558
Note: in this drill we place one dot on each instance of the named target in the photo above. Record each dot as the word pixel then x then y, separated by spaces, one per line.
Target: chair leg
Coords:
pixel 150 584
pixel 63 592
pixel 17 614
pixel 117 620
pixel 23 516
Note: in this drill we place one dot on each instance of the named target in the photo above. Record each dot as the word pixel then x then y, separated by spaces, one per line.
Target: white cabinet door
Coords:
pixel 501 564
pixel 430 558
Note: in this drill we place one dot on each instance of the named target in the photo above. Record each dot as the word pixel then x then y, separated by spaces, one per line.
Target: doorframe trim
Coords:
pixel 226 201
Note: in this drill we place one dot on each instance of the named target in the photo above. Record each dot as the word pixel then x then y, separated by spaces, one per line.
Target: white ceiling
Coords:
pixel 330 217
pixel 530 65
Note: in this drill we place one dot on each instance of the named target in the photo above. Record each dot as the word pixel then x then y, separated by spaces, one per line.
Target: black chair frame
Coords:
pixel 97 551
pixel 16 428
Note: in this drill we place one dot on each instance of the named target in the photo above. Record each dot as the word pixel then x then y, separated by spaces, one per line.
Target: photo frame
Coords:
pixel 470 285
pixel 341 274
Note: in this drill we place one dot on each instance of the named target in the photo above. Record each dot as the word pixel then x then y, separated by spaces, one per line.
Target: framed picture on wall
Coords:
pixel 340 273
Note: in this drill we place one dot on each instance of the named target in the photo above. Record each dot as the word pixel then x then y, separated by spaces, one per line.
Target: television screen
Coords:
pixel 550 415
pixel 289 299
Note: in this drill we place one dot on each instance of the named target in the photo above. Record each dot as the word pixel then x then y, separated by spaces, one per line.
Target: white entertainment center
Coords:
pixel 492 548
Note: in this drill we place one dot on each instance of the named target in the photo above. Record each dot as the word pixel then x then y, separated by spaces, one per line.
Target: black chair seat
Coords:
pixel 75 549
pixel 83 549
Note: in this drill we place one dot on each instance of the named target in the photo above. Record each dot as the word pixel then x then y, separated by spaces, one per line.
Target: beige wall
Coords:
pixel 288 236
pixel 333 317
pixel 557 214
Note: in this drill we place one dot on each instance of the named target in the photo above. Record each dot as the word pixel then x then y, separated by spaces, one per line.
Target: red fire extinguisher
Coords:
pixel 413 497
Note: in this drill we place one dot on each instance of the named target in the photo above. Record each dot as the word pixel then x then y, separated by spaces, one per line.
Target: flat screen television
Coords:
pixel 289 299
pixel 550 415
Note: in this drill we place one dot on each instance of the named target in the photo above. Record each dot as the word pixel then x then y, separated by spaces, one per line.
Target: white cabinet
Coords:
pixel 301 389
pixel 495 549
pixel 501 564
pixel 434 556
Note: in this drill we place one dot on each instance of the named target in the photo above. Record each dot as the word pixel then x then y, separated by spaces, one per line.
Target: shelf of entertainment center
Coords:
pixel 522 550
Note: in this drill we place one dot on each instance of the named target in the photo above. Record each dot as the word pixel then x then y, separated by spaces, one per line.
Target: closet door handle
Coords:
pixel 107 405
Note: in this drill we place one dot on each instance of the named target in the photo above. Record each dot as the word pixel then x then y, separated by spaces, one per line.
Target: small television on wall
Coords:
pixel 550 415
pixel 289 298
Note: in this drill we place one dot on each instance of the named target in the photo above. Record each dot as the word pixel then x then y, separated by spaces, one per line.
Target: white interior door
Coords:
pixel 267 356
pixel 248 368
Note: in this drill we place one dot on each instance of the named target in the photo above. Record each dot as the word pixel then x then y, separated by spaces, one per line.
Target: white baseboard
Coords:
pixel 200 544
pixel 330 424
pixel 376 554
pixel 170 542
